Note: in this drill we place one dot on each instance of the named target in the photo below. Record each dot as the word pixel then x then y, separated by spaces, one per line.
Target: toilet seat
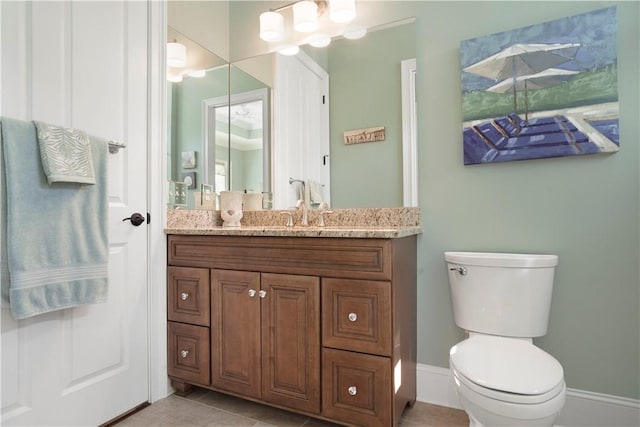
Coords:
pixel 521 399
pixel 507 369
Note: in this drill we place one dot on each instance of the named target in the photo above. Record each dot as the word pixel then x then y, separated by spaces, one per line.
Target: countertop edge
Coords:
pixel 341 232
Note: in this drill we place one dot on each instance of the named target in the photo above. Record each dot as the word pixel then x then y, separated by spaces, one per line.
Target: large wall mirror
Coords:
pixel 235 122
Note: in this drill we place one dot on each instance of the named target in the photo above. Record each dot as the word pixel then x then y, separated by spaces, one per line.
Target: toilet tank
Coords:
pixel 501 294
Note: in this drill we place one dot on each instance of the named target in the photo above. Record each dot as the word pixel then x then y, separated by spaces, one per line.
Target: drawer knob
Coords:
pixel 352 317
pixel 252 293
pixel 353 390
pixel 184 353
pixel 262 293
pixel 184 296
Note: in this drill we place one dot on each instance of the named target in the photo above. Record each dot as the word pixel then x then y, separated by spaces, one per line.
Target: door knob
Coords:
pixel 135 218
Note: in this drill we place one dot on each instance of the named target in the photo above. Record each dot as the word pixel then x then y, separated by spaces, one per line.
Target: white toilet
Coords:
pixel 503 301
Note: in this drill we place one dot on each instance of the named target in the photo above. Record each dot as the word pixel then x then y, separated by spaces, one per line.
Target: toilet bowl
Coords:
pixel 505 381
pixel 503 301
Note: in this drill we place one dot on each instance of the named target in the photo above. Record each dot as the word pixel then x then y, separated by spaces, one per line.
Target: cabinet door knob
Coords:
pixel 353 390
pixel 184 296
pixel 352 317
pixel 252 293
pixel 184 353
pixel 262 293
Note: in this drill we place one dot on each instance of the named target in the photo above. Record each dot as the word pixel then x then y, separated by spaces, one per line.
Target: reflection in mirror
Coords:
pixel 253 171
pixel 185 105
pixel 237 141
pixel 365 92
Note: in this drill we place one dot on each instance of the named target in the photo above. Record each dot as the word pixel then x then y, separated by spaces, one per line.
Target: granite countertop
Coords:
pixel 369 223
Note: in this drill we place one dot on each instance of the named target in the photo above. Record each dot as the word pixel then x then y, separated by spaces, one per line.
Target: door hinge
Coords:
pixel 148 218
pixel 323 101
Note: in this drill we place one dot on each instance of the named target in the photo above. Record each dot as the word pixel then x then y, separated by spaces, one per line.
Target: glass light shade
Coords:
pixel 174 79
pixel 305 16
pixel 271 26
pixel 198 73
pixel 354 33
pixel 289 50
pixel 342 10
pixel 176 54
pixel 320 41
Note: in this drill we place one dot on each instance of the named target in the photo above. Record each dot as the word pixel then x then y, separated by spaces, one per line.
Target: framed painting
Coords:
pixel 546 90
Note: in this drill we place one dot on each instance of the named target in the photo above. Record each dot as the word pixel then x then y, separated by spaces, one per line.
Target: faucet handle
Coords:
pixel 289 219
pixel 321 217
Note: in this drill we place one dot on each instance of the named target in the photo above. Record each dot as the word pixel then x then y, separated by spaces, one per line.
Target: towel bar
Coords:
pixel 114 147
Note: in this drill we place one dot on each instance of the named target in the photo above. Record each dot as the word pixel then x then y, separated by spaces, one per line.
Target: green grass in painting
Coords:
pixel 586 88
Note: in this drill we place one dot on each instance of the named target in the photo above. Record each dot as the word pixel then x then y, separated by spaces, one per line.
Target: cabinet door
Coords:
pixel 291 341
pixel 188 295
pixel 235 330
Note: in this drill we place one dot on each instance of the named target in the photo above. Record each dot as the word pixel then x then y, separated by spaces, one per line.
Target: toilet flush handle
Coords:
pixel 462 270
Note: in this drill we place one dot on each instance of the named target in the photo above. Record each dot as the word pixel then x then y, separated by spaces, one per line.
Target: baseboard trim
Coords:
pixel 583 408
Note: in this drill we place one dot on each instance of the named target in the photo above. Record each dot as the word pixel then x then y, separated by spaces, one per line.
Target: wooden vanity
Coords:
pixel 321 326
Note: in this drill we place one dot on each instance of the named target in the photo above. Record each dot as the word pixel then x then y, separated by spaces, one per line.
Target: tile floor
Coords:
pixel 209 409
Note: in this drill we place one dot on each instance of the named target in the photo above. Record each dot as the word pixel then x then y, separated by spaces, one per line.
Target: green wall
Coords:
pixel 584 209
pixel 365 92
pixel 186 119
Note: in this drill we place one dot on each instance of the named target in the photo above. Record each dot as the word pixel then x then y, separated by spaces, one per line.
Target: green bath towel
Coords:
pixel 56 235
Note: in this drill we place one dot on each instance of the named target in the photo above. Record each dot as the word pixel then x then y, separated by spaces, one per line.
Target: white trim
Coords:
pixel 582 408
pixel 409 134
pixel 586 408
pixel 434 386
pixel 159 386
pixel 209 131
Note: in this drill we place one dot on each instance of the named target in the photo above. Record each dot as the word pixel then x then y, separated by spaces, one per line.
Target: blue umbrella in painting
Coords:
pixel 522 60
pixel 544 79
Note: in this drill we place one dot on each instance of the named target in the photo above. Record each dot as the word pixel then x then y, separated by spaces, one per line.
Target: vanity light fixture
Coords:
pixel 174 79
pixel 305 16
pixel 176 54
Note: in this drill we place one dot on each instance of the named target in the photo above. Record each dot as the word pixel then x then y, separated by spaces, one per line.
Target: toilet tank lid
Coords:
pixel 495 259
pixel 506 364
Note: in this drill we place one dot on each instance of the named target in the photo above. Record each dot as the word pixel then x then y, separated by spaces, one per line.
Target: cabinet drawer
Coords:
pixel 312 256
pixel 188 295
pixel 356 388
pixel 356 315
pixel 188 353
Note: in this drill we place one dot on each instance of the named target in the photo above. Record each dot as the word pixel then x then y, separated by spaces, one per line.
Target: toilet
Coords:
pixel 503 301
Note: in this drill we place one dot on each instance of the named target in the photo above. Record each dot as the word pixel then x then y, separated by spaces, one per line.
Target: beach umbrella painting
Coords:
pixel 544 79
pixel 522 60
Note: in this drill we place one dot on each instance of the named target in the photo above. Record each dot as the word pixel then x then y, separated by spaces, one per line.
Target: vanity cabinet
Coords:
pixel 320 326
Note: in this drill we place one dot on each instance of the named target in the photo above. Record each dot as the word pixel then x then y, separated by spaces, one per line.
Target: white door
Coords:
pixel 83 65
pixel 301 127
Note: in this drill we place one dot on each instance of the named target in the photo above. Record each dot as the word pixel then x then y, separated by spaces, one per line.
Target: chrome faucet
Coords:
pixel 302 206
